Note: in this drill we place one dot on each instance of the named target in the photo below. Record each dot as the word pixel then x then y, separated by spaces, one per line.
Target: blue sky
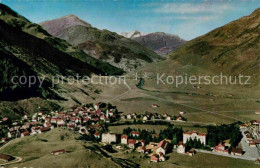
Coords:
pixel 186 18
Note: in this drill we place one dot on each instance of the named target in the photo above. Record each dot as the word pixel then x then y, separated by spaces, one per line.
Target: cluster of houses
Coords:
pixel 155 150
pixel 224 149
pixel 152 116
pixel 87 120
pixel 252 133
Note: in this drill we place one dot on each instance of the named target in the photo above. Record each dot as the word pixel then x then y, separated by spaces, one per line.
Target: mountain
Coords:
pixel 57 25
pixel 40 41
pixel 28 50
pixel 232 49
pixel 160 42
pixel 101 44
pixel 133 34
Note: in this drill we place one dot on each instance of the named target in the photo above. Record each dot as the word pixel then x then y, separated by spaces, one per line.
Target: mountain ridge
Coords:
pixel 160 42
pixel 104 45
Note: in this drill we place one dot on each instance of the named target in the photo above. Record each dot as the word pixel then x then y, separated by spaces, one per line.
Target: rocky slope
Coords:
pixel 27 50
pixel 102 44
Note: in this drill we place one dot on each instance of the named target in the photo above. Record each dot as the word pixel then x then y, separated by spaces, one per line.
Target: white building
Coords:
pixel 162 147
pixel 181 148
pixel 194 134
pixel 108 138
pixel 124 139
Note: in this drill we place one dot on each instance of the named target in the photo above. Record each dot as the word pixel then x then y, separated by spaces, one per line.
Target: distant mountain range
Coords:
pixel 108 46
pixel 160 42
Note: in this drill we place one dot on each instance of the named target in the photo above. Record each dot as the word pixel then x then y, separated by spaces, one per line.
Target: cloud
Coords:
pixel 192 8
pixel 198 18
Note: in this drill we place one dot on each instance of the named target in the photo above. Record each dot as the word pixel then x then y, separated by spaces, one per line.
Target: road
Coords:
pixel 226 155
pixel 251 152
pixel 17 159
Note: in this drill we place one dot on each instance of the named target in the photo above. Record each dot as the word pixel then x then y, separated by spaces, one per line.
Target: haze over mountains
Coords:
pixel 102 44
pixel 160 42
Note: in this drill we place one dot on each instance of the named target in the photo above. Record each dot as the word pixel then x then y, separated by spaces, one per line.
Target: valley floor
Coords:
pixel 36 152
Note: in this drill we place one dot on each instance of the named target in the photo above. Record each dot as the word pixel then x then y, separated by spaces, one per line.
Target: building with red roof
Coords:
pixel 162 147
pixel 154 158
pixel 131 143
pixel 124 139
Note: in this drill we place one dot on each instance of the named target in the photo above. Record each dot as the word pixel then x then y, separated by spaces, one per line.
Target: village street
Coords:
pixel 250 152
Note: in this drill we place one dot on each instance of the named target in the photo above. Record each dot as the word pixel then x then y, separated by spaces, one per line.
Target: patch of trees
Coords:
pixel 174 134
pixel 223 132
pixel 195 144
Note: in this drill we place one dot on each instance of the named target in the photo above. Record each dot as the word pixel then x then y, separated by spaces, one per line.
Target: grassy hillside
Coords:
pixel 232 49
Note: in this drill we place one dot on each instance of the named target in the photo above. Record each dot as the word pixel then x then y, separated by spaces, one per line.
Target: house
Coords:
pixel 191 152
pixel 142 142
pixel 257 161
pixel 182 112
pixel 53 120
pixel 161 158
pixel 220 148
pixel 131 143
pixel 58 152
pixel 135 133
pixel 256 141
pixel 243 126
pixel 97 135
pixel 155 105
pixel 44 129
pixel 103 117
pixel 257 112
pixel 252 144
pixel 141 149
pixel 26 133
pixel 236 151
pixel 60 123
pixel 162 147
pixel 145 118
pixel 168 118
pixel 248 138
pixel 108 138
pixel 6 158
pixel 128 116
pixel 194 134
pixel 3 140
pixel 124 139
pixel 181 147
pixel 154 158
pixel 179 118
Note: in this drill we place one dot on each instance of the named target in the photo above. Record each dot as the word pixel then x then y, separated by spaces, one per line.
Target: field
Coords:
pixel 199 160
pixel 36 151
